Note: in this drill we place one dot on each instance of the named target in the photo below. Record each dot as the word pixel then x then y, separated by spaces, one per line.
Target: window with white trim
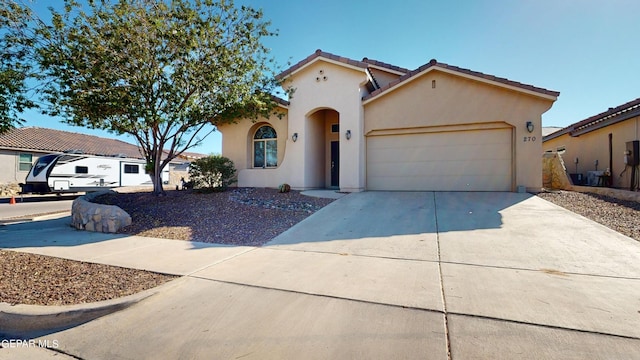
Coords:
pixel 24 162
pixel 265 148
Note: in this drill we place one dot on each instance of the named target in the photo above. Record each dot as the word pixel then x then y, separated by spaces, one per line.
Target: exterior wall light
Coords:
pixel 530 126
pixel 294 137
pixel 348 134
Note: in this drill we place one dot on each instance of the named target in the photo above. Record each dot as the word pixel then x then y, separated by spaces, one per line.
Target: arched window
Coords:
pixel 265 148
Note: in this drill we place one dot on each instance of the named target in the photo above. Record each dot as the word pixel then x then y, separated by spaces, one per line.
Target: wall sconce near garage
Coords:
pixel 530 126
pixel 348 134
pixel 294 137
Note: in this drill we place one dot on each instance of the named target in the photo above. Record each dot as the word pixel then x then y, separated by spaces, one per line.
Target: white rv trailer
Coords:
pixel 69 173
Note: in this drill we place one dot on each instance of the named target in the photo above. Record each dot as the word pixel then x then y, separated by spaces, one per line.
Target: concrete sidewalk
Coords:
pixel 372 275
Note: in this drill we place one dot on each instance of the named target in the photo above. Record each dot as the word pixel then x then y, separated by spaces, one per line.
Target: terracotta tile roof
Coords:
pixel 319 53
pixel 50 140
pixel 57 141
pixel 614 115
pixel 385 65
pixel 435 63
pixel 366 63
pixel 279 100
pixel 190 155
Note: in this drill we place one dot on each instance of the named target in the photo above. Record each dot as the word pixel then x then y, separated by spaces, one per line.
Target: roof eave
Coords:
pixel 318 59
pixel 320 55
pixel 546 94
pixel 601 123
pixel 612 116
pixel 390 71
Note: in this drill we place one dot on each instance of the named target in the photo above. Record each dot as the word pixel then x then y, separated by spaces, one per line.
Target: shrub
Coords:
pixel 214 173
pixel 284 188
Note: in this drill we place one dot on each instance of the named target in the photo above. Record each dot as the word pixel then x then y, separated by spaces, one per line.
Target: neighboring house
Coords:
pixel 548 130
pixel 599 143
pixel 21 147
pixel 367 125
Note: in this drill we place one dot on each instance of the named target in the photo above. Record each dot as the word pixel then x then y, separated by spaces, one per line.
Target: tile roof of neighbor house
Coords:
pixel 546 130
pixel 58 141
pixel 612 116
pixel 365 63
pixel 50 140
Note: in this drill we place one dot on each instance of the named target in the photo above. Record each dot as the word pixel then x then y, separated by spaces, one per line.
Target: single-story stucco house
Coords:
pixel 367 125
pixel 21 147
pixel 591 146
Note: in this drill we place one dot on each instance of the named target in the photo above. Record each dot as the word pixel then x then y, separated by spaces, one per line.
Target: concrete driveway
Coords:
pixel 376 275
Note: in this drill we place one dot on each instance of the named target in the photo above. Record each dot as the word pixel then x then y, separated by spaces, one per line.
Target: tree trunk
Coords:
pixel 156 177
pixel 157 184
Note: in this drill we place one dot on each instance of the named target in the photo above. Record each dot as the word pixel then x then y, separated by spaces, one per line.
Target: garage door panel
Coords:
pixel 451 152
pixel 446 168
pixel 430 151
pixel 456 161
pixel 441 183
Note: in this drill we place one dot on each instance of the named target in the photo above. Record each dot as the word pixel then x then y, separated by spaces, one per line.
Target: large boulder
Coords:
pixel 9 189
pixel 89 216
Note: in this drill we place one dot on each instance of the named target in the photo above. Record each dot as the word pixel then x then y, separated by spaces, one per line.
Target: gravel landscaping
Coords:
pixel 622 216
pixel 239 216
pixel 242 216
pixel 44 280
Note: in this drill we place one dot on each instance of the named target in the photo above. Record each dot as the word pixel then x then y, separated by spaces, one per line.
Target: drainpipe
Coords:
pixel 611 158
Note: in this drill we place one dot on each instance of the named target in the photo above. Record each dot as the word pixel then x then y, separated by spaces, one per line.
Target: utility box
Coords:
pixel 577 179
pixel 633 153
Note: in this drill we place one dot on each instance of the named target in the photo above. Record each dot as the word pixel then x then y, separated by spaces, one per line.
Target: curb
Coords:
pixel 29 218
pixel 29 321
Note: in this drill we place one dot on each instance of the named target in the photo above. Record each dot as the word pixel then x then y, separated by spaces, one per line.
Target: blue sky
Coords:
pixel 585 49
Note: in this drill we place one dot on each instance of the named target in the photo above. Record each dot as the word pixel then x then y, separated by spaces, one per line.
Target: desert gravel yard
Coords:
pixel 45 280
pixel 243 216
pixel 622 216
pixel 240 216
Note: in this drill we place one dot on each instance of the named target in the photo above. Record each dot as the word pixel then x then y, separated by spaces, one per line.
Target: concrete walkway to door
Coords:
pixel 374 275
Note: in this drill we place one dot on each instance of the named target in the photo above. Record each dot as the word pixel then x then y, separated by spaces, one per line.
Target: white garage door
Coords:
pixel 477 160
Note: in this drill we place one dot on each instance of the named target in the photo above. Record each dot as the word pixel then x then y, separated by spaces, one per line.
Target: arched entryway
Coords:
pixel 322 150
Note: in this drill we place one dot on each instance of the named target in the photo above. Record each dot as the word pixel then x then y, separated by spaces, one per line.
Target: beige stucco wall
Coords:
pixel 325 93
pixel 458 100
pixel 9 160
pixel 594 146
pixel 384 77
pixel 341 92
pixel 237 145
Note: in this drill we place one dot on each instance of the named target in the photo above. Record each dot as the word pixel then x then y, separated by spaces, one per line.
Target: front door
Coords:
pixel 335 163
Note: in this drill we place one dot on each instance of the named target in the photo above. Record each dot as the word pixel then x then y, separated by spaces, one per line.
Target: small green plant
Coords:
pixel 212 173
pixel 284 188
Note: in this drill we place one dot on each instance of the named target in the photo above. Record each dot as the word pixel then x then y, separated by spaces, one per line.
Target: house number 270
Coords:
pixel 529 138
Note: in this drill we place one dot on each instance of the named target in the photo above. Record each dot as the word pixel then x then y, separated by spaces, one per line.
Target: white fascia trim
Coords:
pixel 467 76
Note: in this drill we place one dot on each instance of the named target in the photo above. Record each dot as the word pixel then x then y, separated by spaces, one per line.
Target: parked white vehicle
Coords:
pixel 68 173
